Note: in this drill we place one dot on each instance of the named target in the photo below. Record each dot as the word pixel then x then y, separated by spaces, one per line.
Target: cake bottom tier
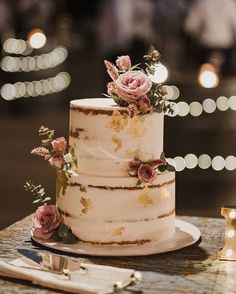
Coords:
pixel 115 211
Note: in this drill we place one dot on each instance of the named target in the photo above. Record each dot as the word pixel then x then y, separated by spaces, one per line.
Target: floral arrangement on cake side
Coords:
pixel 137 89
pixel 47 221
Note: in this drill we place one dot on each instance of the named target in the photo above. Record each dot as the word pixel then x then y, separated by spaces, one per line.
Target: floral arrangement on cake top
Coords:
pixel 47 221
pixel 136 89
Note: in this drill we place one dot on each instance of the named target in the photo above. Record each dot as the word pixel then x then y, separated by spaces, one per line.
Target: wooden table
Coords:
pixel 190 270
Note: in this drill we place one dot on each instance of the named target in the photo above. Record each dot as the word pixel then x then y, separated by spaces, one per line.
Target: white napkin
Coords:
pixel 95 279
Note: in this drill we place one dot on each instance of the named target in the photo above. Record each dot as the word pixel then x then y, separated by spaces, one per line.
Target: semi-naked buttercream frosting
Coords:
pixel 101 202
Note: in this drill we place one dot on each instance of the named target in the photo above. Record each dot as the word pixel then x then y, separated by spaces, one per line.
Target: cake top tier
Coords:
pixel 95 103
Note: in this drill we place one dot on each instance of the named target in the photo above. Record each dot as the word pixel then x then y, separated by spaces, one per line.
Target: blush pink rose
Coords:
pixel 46 219
pixel 41 151
pixel 56 162
pixel 111 88
pixel 59 144
pixel 146 173
pixel 144 102
pixel 111 70
pixel 123 62
pixel 157 163
pixel 132 85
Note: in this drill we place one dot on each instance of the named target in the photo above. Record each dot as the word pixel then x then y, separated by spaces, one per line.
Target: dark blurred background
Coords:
pixel 53 52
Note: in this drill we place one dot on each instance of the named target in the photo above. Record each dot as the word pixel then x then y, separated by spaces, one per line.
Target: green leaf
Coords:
pixel 47 199
pixel 162 168
pixel 171 168
pixel 119 101
pixel 37 200
pixel 66 235
pixel 162 157
pixel 139 182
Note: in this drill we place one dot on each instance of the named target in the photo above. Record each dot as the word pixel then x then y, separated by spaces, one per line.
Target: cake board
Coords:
pixel 186 234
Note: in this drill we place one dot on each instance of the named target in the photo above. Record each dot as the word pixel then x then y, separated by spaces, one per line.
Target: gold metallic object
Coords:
pixel 228 252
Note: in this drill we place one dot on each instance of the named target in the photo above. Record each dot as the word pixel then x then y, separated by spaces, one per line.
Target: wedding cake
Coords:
pixel 123 189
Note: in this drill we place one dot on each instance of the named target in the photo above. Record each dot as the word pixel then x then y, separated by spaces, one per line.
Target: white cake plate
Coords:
pixel 186 234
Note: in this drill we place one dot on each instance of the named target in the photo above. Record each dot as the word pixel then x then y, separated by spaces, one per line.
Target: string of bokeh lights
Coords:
pixel 204 161
pixel 208 105
pixel 36 88
pixel 36 40
pixel 34 63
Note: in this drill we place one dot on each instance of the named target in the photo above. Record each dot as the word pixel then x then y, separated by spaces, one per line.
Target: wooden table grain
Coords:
pixel 194 269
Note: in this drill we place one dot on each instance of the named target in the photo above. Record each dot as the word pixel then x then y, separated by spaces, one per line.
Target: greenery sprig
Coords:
pixel 37 191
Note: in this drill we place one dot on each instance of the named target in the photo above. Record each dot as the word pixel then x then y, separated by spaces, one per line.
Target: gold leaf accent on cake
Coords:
pixel 118 121
pixel 129 152
pixel 87 203
pixel 125 119
pixel 144 197
pixel 117 141
pixel 118 232
pixel 61 183
pixel 136 127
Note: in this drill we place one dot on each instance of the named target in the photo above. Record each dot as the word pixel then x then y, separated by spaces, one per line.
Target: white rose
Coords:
pixel 68 158
pixel 144 155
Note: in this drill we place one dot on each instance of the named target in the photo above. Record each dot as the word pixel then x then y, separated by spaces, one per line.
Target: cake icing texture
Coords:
pixel 103 202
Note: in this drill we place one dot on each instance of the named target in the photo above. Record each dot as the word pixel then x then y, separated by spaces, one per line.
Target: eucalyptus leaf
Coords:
pixel 66 235
pixel 37 200
pixel 171 168
pixel 162 157
pixel 139 182
pixel 162 168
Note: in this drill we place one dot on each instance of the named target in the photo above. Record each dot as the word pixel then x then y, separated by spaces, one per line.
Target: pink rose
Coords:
pixel 144 103
pixel 157 163
pixel 112 70
pixel 46 219
pixel 111 88
pixel 123 62
pixel 56 162
pixel 59 144
pixel 132 85
pixel 41 151
pixel 146 173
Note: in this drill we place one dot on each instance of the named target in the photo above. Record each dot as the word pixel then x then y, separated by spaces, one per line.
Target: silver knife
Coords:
pixel 55 263
pixel 100 276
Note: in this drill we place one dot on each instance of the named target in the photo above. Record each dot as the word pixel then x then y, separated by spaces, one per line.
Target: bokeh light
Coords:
pixel 222 103
pixel 209 105
pixel 208 77
pixel 204 161
pixel 37 38
pixel 195 108
pixel 160 73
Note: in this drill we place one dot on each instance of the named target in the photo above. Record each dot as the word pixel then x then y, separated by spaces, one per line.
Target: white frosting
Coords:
pixel 102 203
pixel 118 203
pixel 140 135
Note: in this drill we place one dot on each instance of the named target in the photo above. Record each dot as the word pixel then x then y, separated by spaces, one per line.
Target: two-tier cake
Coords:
pixel 123 191
pixel 105 202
